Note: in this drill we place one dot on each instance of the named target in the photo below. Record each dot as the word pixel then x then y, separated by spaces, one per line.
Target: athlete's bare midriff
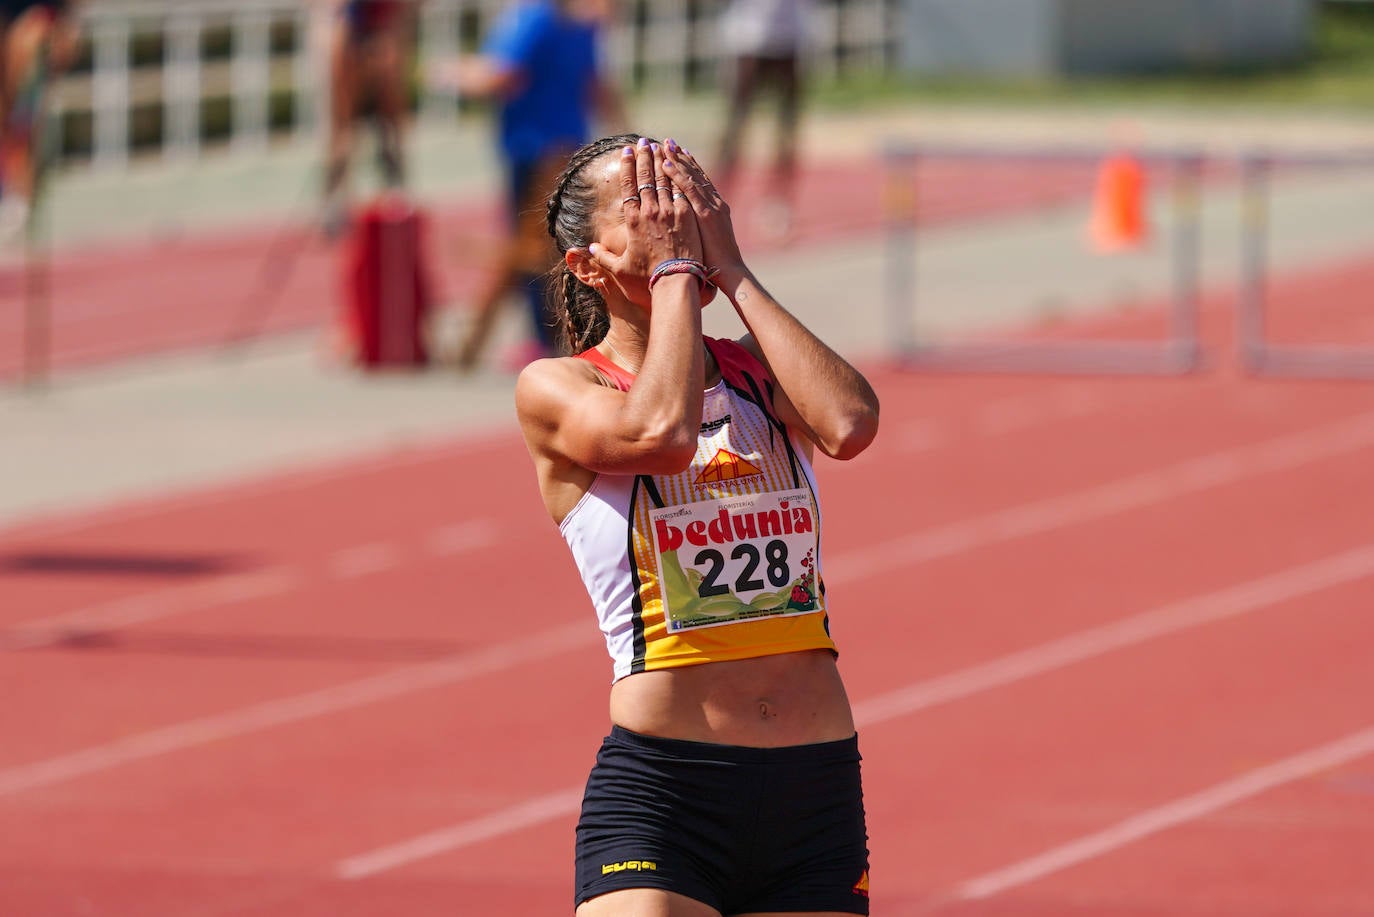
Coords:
pixel 766 702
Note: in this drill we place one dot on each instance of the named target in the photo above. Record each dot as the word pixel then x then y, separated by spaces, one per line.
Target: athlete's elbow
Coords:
pixel 669 451
pixel 852 436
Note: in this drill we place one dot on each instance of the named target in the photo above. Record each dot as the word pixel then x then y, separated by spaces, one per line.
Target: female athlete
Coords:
pixel 678 469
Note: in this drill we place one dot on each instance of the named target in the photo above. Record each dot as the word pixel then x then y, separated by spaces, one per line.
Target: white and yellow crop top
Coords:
pixel 719 562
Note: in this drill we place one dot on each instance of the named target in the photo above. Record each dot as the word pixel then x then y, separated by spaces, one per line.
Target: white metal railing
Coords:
pixel 656 46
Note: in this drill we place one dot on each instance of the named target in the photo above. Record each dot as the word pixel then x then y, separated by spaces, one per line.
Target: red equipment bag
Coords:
pixel 387 284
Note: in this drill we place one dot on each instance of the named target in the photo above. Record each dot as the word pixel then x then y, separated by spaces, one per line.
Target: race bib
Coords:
pixel 736 559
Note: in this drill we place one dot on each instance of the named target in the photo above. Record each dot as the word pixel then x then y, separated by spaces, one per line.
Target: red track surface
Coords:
pixel 195 723
pixel 1108 641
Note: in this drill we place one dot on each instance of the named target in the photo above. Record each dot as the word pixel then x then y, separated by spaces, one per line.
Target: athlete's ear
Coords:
pixel 588 265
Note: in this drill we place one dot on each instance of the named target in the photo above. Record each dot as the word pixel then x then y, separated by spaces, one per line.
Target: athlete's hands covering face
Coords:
pixel 658 222
pixel 720 249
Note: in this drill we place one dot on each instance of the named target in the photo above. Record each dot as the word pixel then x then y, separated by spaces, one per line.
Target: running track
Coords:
pixel 1108 641
pixel 118 300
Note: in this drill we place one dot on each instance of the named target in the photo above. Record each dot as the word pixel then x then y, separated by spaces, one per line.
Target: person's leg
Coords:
pixel 343 92
pixel 788 79
pixel 502 277
pixel 536 252
pixel 645 902
pixel 390 52
pixel 743 89
pixel 6 97
pixel 25 76
pixel 781 75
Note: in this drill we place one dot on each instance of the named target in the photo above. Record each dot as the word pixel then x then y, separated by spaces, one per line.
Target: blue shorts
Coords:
pixel 739 829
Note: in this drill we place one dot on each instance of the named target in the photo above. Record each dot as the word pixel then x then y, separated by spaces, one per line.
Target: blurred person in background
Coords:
pixel 371 44
pixel 38 40
pixel 542 68
pixel 678 469
pixel 764 42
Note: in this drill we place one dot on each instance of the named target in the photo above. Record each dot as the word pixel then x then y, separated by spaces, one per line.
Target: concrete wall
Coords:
pixel 1037 38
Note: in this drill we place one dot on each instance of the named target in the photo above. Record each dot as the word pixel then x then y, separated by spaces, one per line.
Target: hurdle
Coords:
pixel 1256 353
pixel 1180 352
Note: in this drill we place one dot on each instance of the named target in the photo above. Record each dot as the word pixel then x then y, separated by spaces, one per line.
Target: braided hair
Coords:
pixel 579 311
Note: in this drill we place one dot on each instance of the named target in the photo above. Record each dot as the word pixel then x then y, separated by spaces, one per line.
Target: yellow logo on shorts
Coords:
pixel 633 865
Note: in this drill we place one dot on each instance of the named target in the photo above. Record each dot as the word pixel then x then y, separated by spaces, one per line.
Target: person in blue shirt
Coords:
pixel 541 67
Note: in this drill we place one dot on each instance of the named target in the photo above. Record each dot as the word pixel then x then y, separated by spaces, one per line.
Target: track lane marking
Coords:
pixel 1033 518
pixel 1170 815
pixel 1038 660
pixel 1134 492
pixel 1037 517
pixel 152 606
pixel 365 560
pixel 536 811
pixel 269 714
pixel 344 564
pixel 1175 617
pixel 462 537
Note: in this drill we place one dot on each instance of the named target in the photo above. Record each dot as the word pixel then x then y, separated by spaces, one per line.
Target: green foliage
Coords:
pixel 1337 74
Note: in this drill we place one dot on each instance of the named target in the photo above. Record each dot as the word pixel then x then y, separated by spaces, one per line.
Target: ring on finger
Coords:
pixel 632 197
pixel 648 187
pixel 678 195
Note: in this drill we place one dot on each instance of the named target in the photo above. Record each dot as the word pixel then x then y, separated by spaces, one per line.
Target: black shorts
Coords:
pixel 739 829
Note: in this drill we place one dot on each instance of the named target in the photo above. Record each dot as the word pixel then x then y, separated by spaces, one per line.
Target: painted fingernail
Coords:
pixel 643 141
pixel 628 151
pixel 654 147
pixel 668 165
pixel 593 249
pixel 672 144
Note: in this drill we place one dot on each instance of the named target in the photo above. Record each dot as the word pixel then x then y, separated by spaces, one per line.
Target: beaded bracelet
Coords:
pixel 701 272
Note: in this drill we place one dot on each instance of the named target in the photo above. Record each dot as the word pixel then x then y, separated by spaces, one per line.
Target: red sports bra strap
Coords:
pixel 736 365
pixel 620 378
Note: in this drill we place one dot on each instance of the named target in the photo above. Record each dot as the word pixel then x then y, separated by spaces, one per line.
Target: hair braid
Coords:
pixel 579 312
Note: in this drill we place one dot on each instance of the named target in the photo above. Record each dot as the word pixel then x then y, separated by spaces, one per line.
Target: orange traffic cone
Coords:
pixel 1118 218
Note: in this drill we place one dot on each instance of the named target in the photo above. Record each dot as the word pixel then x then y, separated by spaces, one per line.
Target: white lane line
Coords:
pixel 536 811
pixel 1172 814
pixel 151 606
pixel 941 542
pixel 462 537
pixel 1038 660
pixel 999 418
pixel 274 713
pixel 924 546
pixel 348 563
pixel 1012 415
pixel 919 436
pixel 1191 476
pixel 1176 617
pixel 365 560
pixel 1186 477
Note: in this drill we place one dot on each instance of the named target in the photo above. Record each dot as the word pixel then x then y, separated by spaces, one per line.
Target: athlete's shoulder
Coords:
pixel 554 377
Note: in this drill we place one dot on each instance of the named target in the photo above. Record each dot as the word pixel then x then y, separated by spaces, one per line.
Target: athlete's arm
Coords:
pixel 820 393
pixel 567 412
pixel 564 410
